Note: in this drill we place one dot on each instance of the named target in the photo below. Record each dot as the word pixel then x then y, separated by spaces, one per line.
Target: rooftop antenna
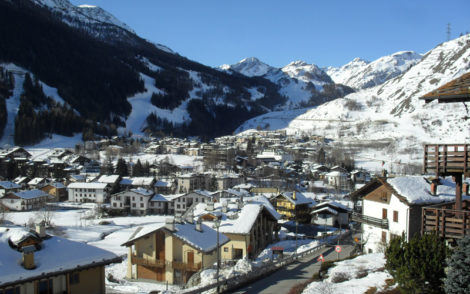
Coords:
pixel 448 32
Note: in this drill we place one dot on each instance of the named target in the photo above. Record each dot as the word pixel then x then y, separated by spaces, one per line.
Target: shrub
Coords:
pixel 458 276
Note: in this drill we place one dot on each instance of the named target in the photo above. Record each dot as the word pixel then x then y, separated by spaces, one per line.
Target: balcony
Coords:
pixel 447 223
pixel 370 220
pixel 189 267
pixel 147 262
pixel 447 159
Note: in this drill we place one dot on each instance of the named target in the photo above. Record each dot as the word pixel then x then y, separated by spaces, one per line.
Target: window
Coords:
pixel 225 249
pixel 384 213
pixel 120 204
pixel 395 216
pixel 133 198
pixel 141 199
pixel 45 287
pixel 141 205
pixel 177 206
pixel 133 205
pixel 74 278
pixel 384 237
pixel 15 290
pixel 114 204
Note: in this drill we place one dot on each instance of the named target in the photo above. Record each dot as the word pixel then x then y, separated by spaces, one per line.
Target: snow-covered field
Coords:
pixel 354 276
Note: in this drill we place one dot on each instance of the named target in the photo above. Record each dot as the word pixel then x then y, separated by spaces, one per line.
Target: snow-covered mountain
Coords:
pixel 303 84
pixel 361 74
pixel 390 116
pixel 393 110
pixel 94 20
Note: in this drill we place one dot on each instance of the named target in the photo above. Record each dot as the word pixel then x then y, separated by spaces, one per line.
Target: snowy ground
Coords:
pixel 354 276
pixel 81 225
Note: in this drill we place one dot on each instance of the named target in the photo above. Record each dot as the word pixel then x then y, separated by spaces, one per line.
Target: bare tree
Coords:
pixel 46 215
pixel 3 214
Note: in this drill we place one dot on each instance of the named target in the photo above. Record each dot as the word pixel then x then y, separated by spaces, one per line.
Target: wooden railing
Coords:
pixel 446 158
pixel 375 221
pixel 448 223
pixel 191 267
pixel 147 262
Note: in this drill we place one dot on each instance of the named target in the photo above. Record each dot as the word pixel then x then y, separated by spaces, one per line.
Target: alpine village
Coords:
pixel 128 168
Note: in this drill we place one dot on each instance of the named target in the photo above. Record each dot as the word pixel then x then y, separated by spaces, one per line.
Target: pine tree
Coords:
pixel 458 276
pixel 418 265
pixel 137 169
pixel 121 168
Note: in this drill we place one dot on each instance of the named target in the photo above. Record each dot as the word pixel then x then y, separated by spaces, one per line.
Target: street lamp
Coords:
pixel 217 225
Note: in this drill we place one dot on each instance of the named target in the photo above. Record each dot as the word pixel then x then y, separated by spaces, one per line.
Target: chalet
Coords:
pixel 37 183
pixel 57 190
pixel 138 182
pixel 7 186
pixel 88 192
pixel 339 180
pixel 135 201
pixel 57 266
pixel 293 206
pixel 22 181
pixel 251 226
pixel 331 213
pixel 164 186
pixel 172 252
pixel 392 207
pixel 111 180
pixel 16 153
pixel 184 201
pixel 159 204
pixel 25 200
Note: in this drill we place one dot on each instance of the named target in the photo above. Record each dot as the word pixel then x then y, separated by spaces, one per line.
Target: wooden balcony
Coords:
pixel 147 262
pixel 188 267
pixel 447 159
pixel 374 221
pixel 447 223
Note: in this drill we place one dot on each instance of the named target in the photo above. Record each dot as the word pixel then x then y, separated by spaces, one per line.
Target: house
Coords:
pixel 339 180
pixel 136 182
pixel 58 265
pixel 331 213
pixel 191 181
pixel 25 200
pixel 7 186
pixel 88 192
pixel 37 183
pixel 184 201
pixel 360 176
pixel 172 251
pixel 250 226
pixel 57 190
pixel 293 206
pixel 227 181
pixel 136 201
pixel 164 186
pixel 392 207
pixel 159 204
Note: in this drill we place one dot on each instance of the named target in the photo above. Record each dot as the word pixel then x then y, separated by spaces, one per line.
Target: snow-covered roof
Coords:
pixel 9 185
pixel 56 255
pixel 35 181
pixel 81 185
pixel 325 208
pixel 204 240
pixel 30 194
pixel 160 183
pixel 416 190
pixel 299 198
pixel 137 181
pixel 111 179
pixel 159 197
pixel 17 235
pixel 333 204
pixel 143 191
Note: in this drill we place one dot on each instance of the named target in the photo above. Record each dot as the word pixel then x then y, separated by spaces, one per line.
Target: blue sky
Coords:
pixel 214 32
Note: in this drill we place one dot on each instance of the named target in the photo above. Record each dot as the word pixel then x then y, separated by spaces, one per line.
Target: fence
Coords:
pixel 230 283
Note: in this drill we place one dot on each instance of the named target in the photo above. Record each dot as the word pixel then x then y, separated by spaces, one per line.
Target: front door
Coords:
pixel 190 257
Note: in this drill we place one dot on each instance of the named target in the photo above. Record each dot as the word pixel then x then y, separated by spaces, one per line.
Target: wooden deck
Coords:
pixel 448 223
pixel 447 159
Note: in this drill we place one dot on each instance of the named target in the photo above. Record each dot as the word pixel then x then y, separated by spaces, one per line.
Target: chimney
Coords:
pixel 294 197
pixel 224 207
pixel 41 230
pixel 210 206
pixel 198 225
pixel 170 224
pixel 190 217
pixel 28 257
pixel 434 184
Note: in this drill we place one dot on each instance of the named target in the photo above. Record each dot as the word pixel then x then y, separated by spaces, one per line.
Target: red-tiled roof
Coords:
pixel 457 90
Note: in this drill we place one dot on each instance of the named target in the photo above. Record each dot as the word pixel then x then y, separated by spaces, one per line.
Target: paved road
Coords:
pixel 283 280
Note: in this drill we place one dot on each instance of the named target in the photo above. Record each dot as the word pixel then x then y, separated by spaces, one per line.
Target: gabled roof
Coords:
pixel 457 90
pixel 299 198
pixel 93 185
pixel 333 205
pixel 111 179
pixel 30 194
pixel 416 190
pixel 9 185
pixel 56 256
pixel 204 240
